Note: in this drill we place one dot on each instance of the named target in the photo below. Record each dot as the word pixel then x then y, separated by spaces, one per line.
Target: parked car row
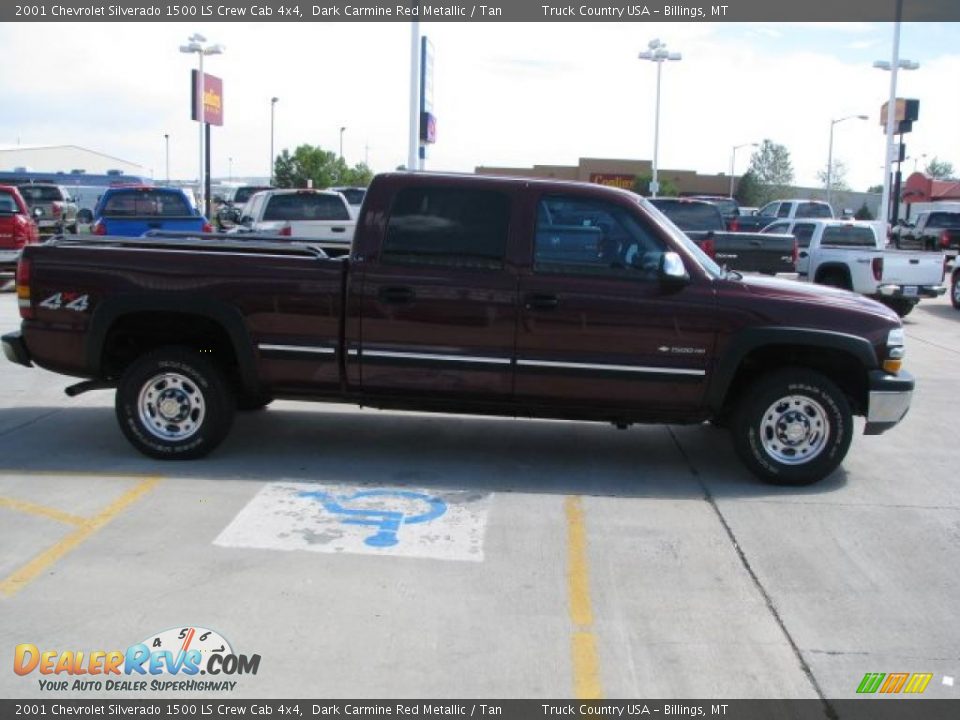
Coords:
pixel 17 227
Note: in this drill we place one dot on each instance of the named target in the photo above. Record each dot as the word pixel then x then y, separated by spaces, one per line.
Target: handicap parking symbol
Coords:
pixel 387 522
pixel 333 517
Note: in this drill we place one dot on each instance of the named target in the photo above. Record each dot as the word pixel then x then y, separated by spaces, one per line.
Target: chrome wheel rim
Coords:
pixel 794 430
pixel 171 406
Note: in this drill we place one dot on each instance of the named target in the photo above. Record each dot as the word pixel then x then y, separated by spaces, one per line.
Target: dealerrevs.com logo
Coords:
pixel 172 660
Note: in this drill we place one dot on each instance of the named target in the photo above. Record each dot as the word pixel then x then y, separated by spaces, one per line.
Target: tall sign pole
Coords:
pixel 413 149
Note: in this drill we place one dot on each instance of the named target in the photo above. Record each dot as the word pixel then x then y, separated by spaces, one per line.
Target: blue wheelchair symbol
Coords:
pixel 388 521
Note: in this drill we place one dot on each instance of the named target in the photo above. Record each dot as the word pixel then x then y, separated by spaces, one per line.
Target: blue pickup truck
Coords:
pixel 133 211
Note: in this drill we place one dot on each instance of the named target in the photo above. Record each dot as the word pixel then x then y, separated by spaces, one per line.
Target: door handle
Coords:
pixel 396 295
pixel 338 229
pixel 756 242
pixel 803 254
pixel 539 301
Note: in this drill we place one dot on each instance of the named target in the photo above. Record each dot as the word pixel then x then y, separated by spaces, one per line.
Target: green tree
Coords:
pixel 748 190
pixel 641 186
pixel 863 213
pixel 838 177
pixel 939 169
pixel 324 168
pixel 875 189
pixel 770 165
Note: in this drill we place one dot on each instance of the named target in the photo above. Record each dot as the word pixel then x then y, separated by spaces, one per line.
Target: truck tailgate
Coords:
pixel 902 267
pixel 136 226
pixel 751 252
pixel 324 230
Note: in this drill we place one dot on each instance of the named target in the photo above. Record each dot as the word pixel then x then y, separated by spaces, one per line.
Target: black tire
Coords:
pixel 192 386
pixel 834 279
pixel 955 289
pixel 249 403
pixel 819 409
pixel 72 229
pixel 900 306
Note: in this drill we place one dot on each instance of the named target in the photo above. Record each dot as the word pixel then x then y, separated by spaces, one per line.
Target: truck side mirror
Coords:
pixel 246 221
pixel 671 271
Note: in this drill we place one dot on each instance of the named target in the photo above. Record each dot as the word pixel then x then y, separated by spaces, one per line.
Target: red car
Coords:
pixel 17 228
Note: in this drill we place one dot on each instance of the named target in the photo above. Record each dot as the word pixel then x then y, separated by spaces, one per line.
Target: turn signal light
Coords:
pixel 23 289
pixel 892 365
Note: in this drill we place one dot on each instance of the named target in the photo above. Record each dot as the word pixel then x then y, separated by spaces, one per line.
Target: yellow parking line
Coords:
pixel 583 646
pixel 41 510
pixel 20 578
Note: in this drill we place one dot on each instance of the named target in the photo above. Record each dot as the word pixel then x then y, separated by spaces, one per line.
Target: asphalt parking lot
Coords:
pixel 396 555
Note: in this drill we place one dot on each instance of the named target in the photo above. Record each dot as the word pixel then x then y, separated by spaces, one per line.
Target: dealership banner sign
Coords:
pixel 212 102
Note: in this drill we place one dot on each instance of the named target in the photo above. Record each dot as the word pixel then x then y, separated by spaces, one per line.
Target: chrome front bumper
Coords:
pixel 888 400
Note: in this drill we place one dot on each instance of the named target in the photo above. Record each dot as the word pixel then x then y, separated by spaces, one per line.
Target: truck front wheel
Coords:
pixel 173 404
pixel 955 289
pixel 793 427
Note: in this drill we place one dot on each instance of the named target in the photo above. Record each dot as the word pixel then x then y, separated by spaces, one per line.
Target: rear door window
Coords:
pixel 812 210
pixel 146 203
pixel 305 206
pixel 944 220
pixel 448 226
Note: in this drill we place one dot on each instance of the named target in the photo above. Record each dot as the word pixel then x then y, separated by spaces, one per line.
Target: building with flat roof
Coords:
pixel 66 159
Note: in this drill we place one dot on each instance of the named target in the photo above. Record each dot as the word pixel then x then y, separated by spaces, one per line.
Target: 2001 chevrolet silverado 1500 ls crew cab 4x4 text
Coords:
pixel 467 294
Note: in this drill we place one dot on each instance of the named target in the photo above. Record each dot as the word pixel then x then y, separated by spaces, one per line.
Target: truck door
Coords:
pixel 597 328
pixel 438 302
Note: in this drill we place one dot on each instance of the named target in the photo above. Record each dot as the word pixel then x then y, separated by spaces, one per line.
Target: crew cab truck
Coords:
pixel 134 210
pixel 936 231
pixel 466 294
pixel 849 254
pixel 51 206
pixel 783 210
pixel 703 223
pixel 320 215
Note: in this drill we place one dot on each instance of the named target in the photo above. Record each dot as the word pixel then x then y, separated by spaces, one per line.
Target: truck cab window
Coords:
pixel 451 227
pixel 582 236
pixel 803 232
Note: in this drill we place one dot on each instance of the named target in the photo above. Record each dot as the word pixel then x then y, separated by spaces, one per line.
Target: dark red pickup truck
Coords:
pixel 470 295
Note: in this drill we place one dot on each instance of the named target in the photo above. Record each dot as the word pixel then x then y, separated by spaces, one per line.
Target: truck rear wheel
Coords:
pixel 173 404
pixel 793 427
pixel 955 289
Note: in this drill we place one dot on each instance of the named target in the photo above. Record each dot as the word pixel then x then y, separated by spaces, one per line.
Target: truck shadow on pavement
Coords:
pixel 340 444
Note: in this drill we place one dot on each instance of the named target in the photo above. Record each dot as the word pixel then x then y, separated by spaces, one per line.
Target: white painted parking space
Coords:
pixel 330 518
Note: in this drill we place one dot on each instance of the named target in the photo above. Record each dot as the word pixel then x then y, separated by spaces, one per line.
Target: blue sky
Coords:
pixel 505 94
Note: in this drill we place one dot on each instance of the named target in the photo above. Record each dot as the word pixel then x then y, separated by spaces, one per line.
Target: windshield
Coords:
pixel 679 237
pixel 306 206
pixel 146 203
pixel 944 220
pixel 41 193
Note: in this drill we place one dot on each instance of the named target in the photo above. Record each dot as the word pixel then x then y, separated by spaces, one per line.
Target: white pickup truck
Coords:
pixel 850 255
pixel 319 215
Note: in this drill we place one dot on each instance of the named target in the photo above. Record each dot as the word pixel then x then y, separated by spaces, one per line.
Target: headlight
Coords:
pixel 895 351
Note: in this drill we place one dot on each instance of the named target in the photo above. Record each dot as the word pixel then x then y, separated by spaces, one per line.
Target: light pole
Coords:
pixel 413 146
pixel 733 162
pixel 166 142
pixel 273 105
pixel 196 45
pixel 341 142
pixel 830 153
pixel 658 54
pixel 230 172
pixel 892 66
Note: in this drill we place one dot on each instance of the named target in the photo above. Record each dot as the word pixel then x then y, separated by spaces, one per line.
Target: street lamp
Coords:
pixel 341 142
pixel 733 161
pixel 273 105
pixel 830 152
pixel 892 67
pixel 230 166
pixel 658 54
pixel 166 142
pixel 196 45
